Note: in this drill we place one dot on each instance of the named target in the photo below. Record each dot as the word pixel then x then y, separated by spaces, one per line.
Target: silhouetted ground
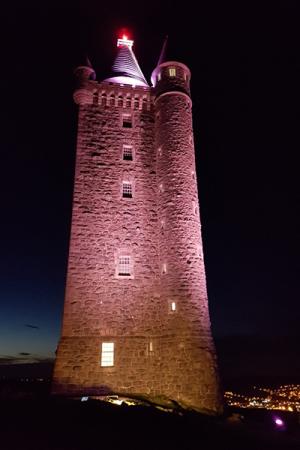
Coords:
pixel 60 424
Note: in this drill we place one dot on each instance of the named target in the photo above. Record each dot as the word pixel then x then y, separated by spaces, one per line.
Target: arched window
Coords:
pixel 128 102
pixel 112 100
pixel 103 99
pixel 120 100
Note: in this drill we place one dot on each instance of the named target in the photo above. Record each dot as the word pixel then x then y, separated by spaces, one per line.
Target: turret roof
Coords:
pixel 126 69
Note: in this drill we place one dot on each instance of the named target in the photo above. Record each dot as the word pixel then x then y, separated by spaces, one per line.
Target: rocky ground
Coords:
pixel 57 424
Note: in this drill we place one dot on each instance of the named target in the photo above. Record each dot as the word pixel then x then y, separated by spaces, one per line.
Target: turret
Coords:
pixel 170 75
pixel 83 93
pixel 180 245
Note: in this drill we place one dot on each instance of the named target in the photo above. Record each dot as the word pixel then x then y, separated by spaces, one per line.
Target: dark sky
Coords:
pixel 245 65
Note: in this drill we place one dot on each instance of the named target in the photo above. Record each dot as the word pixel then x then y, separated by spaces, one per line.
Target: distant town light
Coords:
pixel 279 422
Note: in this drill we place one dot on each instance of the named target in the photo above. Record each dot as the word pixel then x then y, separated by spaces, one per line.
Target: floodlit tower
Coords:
pixel 136 318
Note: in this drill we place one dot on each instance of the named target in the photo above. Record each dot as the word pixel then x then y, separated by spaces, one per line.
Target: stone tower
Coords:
pixel 136 317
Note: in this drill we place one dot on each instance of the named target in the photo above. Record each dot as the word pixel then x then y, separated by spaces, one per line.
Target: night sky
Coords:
pixel 245 67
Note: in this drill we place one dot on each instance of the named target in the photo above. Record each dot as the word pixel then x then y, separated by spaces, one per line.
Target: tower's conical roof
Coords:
pixel 126 69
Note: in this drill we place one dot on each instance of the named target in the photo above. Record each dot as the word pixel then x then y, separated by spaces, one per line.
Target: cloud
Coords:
pixel 28 325
pixel 23 358
pixel 7 359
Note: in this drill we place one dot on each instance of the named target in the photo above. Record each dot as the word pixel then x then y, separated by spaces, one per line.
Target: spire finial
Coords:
pixel 163 51
pixel 124 41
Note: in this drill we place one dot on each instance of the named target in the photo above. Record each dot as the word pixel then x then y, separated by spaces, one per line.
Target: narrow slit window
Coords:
pixel 172 72
pixel 128 102
pixel 127 153
pixel 103 99
pixel 112 100
pixel 127 189
pixel 127 121
pixel 124 269
pixel 107 354
pixel 150 346
pixel 195 208
pixel 164 268
pixel 173 306
pixel 96 98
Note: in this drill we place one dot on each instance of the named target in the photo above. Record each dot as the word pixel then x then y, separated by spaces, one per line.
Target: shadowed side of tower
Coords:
pixel 136 315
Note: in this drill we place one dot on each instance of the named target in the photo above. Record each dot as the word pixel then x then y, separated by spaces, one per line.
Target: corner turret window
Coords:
pixel 127 121
pixel 107 354
pixel 172 72
pixel 127 189
pixel 124 266
pixel 127 153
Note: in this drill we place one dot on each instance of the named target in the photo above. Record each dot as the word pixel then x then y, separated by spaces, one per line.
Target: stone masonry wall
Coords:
pixel 159 349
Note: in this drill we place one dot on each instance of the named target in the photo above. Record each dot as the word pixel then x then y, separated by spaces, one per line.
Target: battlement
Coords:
pixel 111 94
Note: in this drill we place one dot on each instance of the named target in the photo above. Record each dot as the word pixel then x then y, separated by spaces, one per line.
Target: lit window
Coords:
pixel 159 76
pixel 127 189
pixel 150 346
pixel 107 354
pixel 172 72
pixel 173 306
pixel 127 152
pixel 124 267
pixel 127 121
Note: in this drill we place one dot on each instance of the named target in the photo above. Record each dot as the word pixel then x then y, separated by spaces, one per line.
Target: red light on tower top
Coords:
pixel 124 41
